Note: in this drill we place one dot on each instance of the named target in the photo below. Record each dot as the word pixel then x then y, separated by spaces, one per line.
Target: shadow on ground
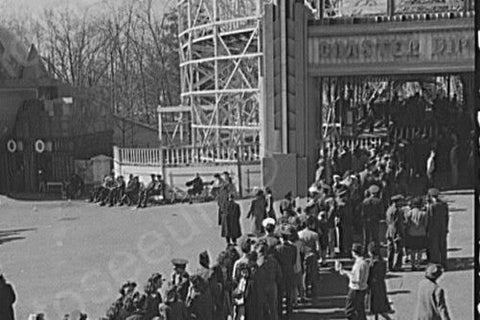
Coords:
pixel 460 264
pixel 13 235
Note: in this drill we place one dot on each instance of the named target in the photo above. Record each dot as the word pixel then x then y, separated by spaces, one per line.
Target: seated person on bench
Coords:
pixel 147 192
pixel 109 192
pixel 130 195
pixel 101 192
pixel 196 186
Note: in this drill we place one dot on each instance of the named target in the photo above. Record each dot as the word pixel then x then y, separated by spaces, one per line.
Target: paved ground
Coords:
pixel 65 256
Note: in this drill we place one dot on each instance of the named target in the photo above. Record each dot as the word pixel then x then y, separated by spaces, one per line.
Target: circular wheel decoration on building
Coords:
pixel 11 145
pixel 39 146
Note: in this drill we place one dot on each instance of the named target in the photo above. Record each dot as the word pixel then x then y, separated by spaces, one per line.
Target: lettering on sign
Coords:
pixel 369 49
pixel 409 48
pixel 452 46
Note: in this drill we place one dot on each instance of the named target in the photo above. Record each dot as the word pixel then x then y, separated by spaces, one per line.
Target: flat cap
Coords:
pixel 433 271
pixel 373 189
pixel 397 197
pixel 434 192
pixel 268 221
pixel 179 262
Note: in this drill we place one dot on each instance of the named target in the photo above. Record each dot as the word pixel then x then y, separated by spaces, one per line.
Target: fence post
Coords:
pixel 239 173
pixel 248 180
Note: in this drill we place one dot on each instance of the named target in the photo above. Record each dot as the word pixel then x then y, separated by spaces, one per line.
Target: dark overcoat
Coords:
pixel 378 290
pixel 286 254
pixel 231 221
pixel 7 299
pixel 174 311
pixel 258 212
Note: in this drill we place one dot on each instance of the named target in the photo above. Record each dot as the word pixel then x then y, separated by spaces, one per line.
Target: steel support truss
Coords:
pixel 220 65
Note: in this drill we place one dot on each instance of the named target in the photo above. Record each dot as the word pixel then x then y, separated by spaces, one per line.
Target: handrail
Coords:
pixel 188 155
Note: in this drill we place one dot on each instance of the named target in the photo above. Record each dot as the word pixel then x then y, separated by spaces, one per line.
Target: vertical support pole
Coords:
pixel 160 126
pixel 215 48
pixel 248 180
pixel 239 173
pixel 190 76
pixel 283 67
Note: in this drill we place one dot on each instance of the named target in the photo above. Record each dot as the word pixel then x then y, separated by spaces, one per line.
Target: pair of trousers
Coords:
pixel 395 253
pixel 355 305
pixel 370 233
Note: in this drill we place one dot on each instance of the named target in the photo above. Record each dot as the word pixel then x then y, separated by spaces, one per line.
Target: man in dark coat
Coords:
pixel 211 290
pixel 7 299
pixel 180 278
pixel 220 190
pixel 395 233
pixel 199 303
pixel 372 211
pixel 269 277
pixel 431 297
pixel 286 254
pixel 346 222
pixel 287 205
pixel 258 211
pixel 231 229
pixel 173 309
pixel 437 228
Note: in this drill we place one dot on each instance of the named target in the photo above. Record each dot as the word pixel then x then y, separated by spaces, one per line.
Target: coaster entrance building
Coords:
pixel 324 75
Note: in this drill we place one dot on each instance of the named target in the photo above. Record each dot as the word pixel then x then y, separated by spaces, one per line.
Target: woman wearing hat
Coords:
pixel 416 232
pixel 431 304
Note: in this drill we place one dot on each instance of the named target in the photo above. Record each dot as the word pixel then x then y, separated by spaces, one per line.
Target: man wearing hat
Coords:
pixel 258 212
pixel 7 299
pixel 372 212
pixel 286 254
pixel 270 238
pixel 180 278
pixel 357 286
pixel 147 192
pixel 345 225
pixel 395 233
pixel 231 229
pixel 309 236
pixel 220 191
pixel 431 302
pixel 437 229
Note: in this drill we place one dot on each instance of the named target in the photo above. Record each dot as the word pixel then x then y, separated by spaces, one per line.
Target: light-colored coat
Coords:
pixel 431 303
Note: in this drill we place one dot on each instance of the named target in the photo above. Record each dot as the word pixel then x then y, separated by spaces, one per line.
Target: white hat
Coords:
pixel 268 221
pixel 313 189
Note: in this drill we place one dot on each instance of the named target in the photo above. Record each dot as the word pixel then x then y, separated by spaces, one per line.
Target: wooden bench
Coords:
pixel 54 186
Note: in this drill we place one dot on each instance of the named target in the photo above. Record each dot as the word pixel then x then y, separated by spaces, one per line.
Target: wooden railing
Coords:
pixel 182 156
pixel 362 142
pixel 411 132
pixel 141 156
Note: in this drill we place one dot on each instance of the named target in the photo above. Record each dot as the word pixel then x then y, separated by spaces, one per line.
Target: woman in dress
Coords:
pixel 416 232
pixel 379 304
